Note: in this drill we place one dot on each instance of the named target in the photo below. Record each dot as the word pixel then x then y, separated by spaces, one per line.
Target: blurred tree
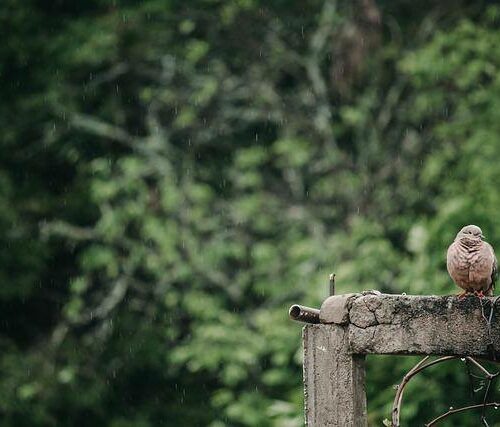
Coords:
pixel 175 174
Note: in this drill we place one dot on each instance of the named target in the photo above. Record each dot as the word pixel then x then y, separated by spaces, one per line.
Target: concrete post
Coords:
pixel 334 379
pixel 353 325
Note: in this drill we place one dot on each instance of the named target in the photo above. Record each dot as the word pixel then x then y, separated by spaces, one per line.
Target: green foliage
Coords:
pixel 175 174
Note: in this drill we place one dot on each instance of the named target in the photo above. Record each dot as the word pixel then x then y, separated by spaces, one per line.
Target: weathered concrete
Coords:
pixel 336 309
pixel 357 324
pixel 407 324
pixel 334 379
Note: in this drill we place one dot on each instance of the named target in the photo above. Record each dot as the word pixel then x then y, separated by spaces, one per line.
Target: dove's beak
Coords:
pixel 482 237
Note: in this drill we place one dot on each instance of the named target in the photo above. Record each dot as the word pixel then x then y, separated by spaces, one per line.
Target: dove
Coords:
pixel 471 262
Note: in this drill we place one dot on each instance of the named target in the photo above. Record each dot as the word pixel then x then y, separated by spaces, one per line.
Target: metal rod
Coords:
pixel 331 281
pixel 304 314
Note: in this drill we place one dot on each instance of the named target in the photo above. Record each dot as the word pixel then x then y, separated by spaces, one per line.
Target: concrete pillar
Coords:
pixel 353 325
pixel 334 378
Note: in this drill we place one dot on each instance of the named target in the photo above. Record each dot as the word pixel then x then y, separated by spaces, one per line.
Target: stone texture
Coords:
pixel 397 324
pixel 334 379
pixel 362 313
pixel 335 309
pixel 357 324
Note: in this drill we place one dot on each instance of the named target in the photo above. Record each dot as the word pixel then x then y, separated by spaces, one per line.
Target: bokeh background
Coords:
pixel 174 174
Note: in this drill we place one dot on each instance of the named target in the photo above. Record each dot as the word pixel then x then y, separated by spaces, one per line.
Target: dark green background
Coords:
pixel 174 174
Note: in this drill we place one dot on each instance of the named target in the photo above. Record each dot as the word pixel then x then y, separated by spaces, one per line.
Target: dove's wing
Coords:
pixel 494 271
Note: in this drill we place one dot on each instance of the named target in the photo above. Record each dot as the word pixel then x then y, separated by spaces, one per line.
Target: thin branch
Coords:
pixel 464 408
pixel 491 344
pixel 485 398
pixel 65 229
pixel 420 366
pixel 108 304
pixel 482 368
pixel 109 75
pixel 471 377
pixel 98 127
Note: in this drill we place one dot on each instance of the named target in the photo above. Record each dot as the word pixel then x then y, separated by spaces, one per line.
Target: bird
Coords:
pixel 471 262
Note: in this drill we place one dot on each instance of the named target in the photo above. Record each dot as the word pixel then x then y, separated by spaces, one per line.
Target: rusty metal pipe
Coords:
pixel 302 313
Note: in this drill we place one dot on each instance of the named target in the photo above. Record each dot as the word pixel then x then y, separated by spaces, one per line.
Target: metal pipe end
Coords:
pixel 294 311
pixel 302 313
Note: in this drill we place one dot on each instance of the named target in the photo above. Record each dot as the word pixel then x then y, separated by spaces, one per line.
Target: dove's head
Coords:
pixel 471 233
